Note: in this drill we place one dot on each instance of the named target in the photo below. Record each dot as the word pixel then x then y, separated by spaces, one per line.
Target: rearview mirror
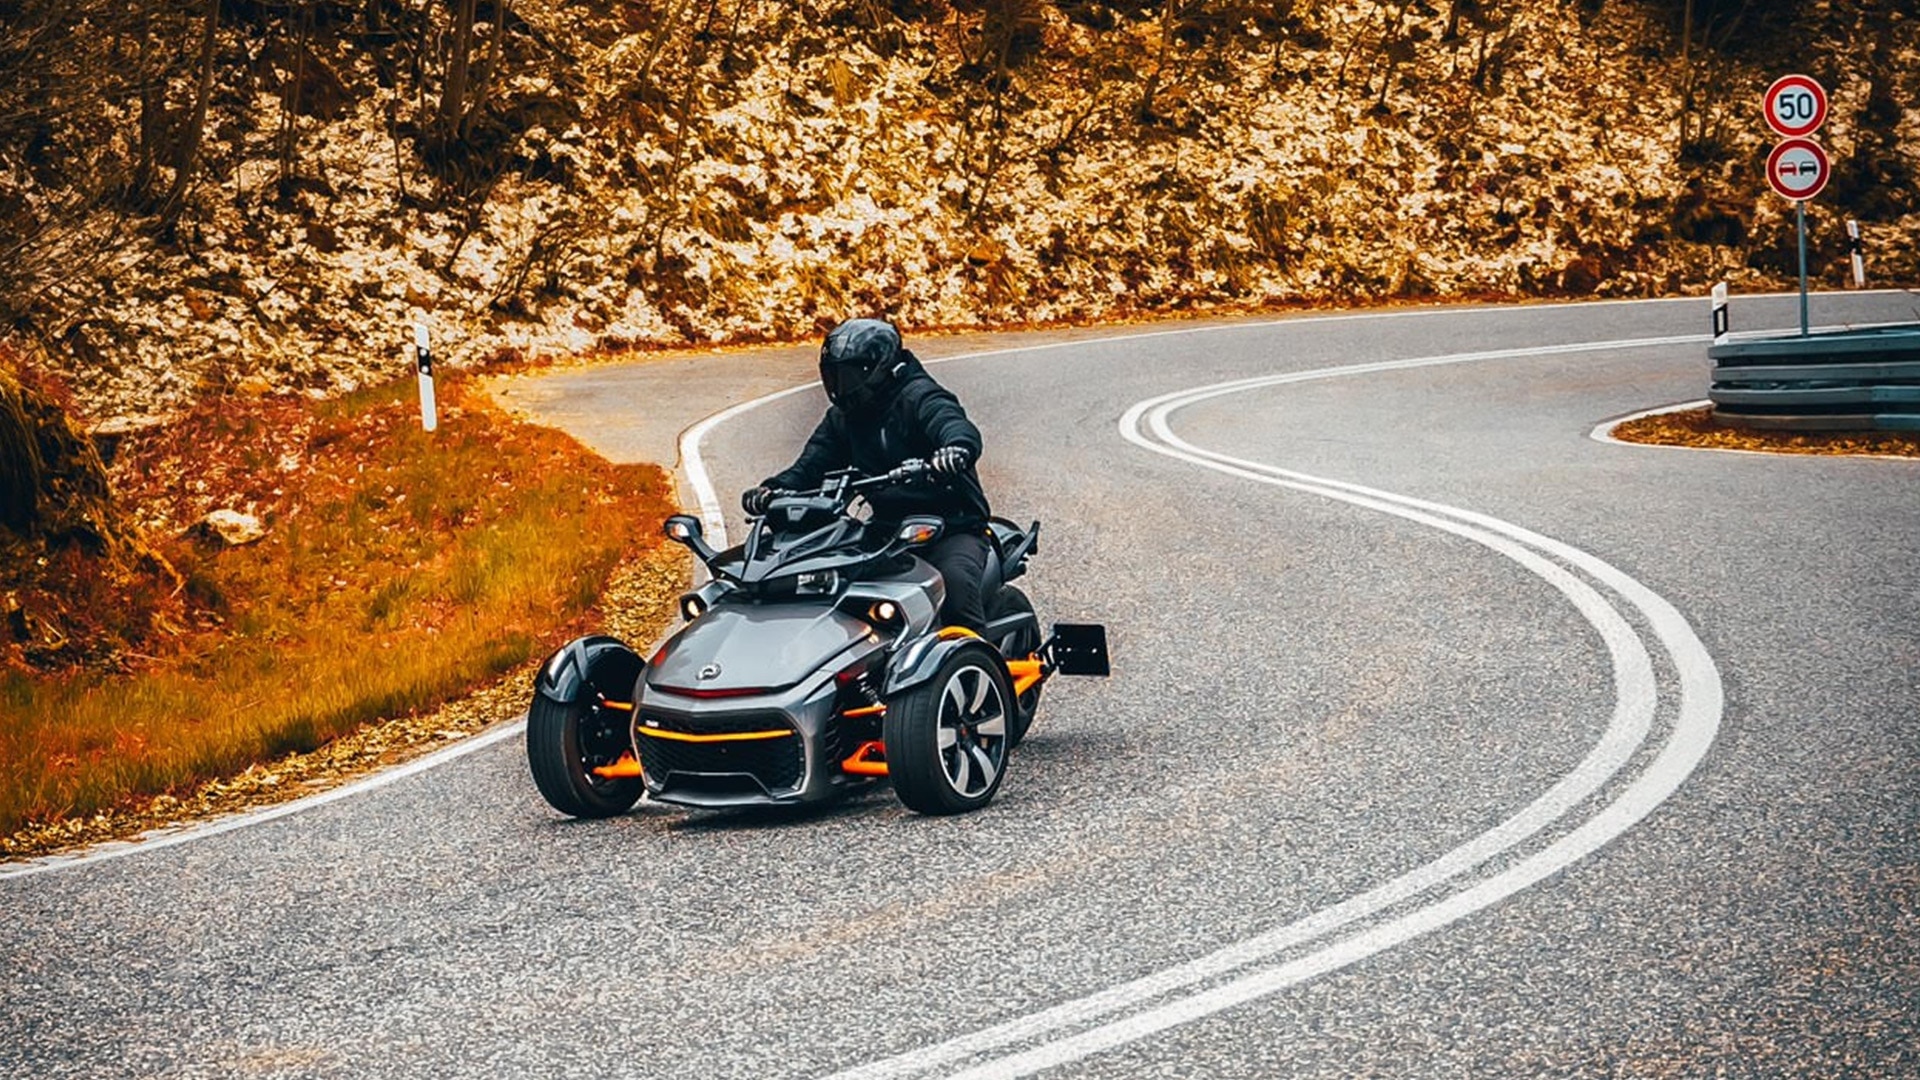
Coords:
pixel 684 528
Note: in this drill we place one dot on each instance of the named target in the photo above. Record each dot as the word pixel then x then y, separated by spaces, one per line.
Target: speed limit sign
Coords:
pixel 1795 105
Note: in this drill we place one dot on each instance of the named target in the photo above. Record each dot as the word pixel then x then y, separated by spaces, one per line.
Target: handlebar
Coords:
pixel 911 469
pixel 842 482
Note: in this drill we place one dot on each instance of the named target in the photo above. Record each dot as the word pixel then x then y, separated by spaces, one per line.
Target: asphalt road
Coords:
pixel 1444 740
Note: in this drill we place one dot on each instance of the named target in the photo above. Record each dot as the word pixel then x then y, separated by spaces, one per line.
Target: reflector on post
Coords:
pixel 1859 256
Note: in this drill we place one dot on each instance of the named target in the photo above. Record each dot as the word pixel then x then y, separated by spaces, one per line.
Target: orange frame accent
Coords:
pixel 861 764
pixel 731 736
pixel 1026 675
pixel 867 710
pixel 623 706
pixel 619 770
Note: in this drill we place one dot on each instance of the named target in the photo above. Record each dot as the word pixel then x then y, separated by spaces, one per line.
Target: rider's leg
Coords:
pixel 962 561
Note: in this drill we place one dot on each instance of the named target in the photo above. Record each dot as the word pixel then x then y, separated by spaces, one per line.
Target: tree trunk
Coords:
pixel 187 147
pixel 290 104
pixel 1169 18
pixel 1686 75
pixel 491 66
pixel 453 97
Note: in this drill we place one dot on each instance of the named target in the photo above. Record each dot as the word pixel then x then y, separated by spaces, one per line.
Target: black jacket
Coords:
pixel 919 417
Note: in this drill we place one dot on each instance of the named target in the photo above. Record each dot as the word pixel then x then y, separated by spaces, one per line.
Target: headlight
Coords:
pixel 817 583
pixel 692 607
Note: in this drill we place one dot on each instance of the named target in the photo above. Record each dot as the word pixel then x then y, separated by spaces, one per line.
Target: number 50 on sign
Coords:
pixel 1795 105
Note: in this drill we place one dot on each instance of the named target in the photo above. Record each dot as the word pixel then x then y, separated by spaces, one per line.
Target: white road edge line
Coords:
pixel 168 838
pixel 1698 722
pixel 1603 433
pixel 713 517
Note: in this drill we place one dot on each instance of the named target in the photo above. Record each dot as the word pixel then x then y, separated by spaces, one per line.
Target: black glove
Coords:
pixel 950 460
pixel 754 500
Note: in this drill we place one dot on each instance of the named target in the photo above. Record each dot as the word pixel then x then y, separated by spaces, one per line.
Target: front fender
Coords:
pixel 587 665
pixel 918 662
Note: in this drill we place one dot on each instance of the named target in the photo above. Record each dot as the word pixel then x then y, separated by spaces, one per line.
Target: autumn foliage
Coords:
pixel 397 569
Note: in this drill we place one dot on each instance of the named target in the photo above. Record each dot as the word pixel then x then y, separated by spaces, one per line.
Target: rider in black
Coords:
pixel 885 410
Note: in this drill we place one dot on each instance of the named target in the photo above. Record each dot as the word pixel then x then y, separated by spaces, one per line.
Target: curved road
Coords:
pixel 1444 740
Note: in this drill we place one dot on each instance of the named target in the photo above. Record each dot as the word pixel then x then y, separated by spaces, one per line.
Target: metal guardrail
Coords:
pixel 1848 380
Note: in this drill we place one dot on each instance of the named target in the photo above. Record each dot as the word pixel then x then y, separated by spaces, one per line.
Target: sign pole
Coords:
pixel 1798 169
pixel 1801 207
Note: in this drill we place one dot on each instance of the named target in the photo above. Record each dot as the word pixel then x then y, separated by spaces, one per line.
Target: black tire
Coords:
pixel 947 739
pixel 1018 646
pixel 564 742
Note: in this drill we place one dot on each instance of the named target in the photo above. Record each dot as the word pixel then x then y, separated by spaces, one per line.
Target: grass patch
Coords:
pixel 400 569
pixel 1699 428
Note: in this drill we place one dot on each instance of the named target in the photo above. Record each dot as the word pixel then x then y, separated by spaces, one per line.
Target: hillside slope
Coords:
pixel 687 171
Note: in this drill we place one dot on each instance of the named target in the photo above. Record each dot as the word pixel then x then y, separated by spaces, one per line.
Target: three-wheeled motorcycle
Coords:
pixel 812 663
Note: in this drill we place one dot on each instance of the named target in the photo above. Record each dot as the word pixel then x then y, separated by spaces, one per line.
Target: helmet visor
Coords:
pixel 841 380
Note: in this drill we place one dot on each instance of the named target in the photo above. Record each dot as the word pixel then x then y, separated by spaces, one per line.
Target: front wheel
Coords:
pixel 947 738
pixel 564 744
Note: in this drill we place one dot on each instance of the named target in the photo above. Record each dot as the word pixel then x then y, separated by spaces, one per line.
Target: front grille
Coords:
pixel 777 764
pixel 715 723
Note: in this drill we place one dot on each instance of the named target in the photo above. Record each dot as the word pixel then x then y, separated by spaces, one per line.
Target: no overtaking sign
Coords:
pixel 1798 169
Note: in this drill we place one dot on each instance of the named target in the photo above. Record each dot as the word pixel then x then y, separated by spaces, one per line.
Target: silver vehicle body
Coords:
pixel 743 706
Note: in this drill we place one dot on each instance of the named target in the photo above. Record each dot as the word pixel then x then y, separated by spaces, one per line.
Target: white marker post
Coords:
pixel 1721 323
pixel 423 363
pixel 1859 256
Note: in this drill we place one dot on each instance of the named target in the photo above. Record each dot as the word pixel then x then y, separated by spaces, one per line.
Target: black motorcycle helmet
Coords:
pixel 858 361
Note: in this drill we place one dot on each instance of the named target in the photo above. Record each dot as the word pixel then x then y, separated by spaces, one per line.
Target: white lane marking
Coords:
pixel 1695 727
pixel 1636 701
pixel 168 838
pixel 1693 736
pixel 1694 730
